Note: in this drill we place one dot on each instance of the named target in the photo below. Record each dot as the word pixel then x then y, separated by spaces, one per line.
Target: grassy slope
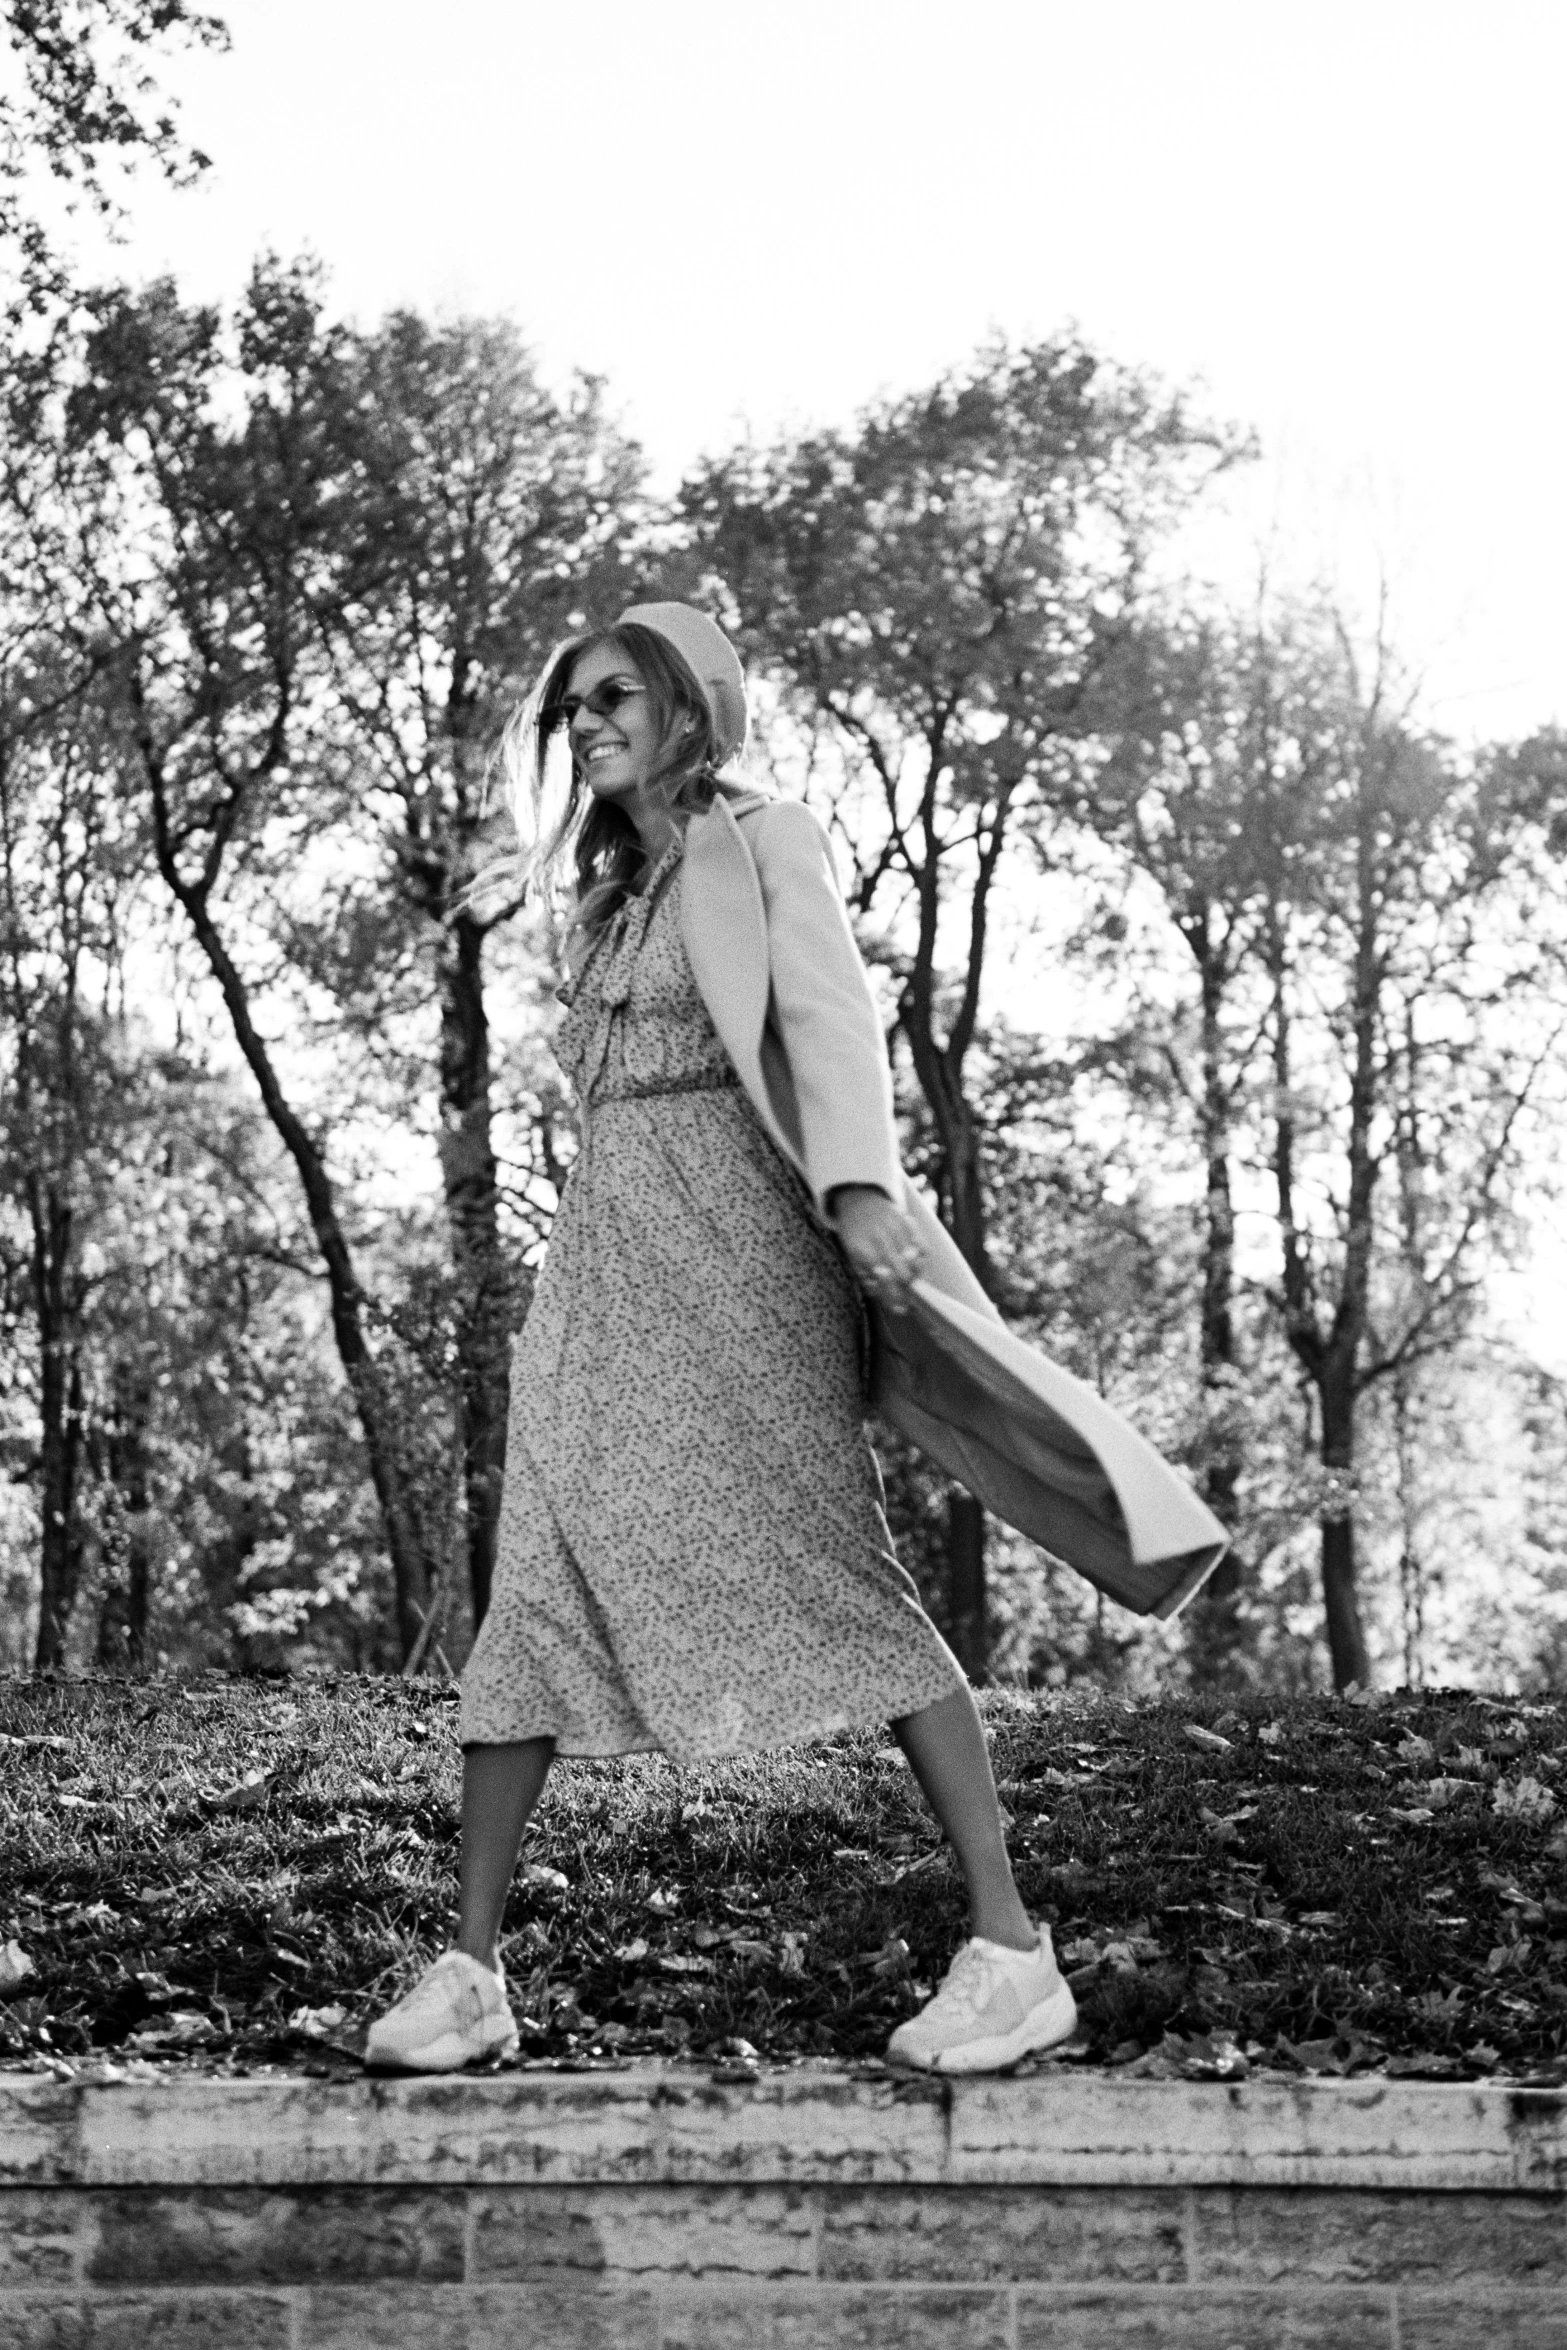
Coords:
pixel 190 1866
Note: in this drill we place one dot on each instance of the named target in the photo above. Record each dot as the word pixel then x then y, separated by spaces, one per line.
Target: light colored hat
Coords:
pixel 712 661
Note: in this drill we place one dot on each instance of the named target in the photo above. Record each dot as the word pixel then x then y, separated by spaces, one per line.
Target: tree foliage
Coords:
pixel 943 590
pixel 1221 992
pixel 86 95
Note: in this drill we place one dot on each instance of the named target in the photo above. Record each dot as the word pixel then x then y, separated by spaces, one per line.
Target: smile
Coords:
pixel 604 751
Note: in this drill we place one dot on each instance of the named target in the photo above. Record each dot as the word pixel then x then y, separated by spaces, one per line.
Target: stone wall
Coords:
pixel 654 2210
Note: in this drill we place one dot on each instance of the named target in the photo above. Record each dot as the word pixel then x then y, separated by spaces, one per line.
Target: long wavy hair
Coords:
pixel 571 844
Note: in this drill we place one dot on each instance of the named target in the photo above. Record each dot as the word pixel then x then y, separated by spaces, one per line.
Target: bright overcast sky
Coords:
pixel 1346 219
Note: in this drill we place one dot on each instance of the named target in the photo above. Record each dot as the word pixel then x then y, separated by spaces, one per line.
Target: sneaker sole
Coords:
pixel 448 2054
pixel 1044 2026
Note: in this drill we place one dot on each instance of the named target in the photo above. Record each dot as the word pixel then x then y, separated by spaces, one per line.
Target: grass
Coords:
pixel 236 1874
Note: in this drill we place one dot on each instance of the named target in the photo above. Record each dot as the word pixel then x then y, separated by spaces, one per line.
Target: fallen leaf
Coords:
pixel 630 1952
pixel 1332 2054
pixel 185 2028
pixel 247 1794
pixel 737 2061
pixel 15 1966
pixel 1526 1800
pixel 1157 2065
pixel 1428 2067
pixel 314 2023
pixel 544 1879
pixel 1443 1794
pixel 1208 1740
pixel 1207 2056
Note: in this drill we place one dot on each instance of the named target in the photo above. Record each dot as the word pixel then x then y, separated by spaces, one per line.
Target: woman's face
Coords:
pixel 617 743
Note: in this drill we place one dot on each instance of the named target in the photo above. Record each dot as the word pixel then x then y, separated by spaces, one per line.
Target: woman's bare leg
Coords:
pixel 945 1744
pixel 500 1786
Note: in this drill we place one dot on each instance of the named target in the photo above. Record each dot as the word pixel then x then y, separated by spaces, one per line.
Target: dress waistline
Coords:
pixel 650 1088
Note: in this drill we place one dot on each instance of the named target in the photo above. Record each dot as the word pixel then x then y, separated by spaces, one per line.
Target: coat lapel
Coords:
pixel 723 922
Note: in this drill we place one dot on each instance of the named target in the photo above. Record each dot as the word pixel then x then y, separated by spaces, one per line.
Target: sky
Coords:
pixel 1345 222
pixel 1342 222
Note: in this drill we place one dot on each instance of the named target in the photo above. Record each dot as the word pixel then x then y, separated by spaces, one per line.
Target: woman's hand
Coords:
pixel 879 1240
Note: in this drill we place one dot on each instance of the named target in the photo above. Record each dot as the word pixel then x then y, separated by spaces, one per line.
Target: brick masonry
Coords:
pixel 652 2209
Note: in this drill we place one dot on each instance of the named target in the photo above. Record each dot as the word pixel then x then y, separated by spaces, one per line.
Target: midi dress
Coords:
pixel 693 1553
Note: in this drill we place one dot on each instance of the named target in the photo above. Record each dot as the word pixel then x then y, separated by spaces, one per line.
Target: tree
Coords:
pixel 58 1084
pixel 1200 795
pixel 213 547
pixel 1399 1011
pixel 483 511
pixel 941 591
pixel 86 95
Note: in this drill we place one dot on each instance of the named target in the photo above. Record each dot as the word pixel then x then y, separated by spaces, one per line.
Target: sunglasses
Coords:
pixel 603 702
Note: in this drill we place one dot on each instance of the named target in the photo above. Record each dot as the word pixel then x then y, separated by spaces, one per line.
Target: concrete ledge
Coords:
pixel 655 2209
pixel 652 2125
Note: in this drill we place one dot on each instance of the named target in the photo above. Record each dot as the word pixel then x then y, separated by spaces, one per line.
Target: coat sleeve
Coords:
pixel 823 1008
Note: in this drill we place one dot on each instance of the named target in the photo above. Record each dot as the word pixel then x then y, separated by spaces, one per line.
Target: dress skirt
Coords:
pixel 693 1554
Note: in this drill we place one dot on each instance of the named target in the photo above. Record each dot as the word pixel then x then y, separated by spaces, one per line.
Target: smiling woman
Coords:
pixel 693 1555
pixel 645 741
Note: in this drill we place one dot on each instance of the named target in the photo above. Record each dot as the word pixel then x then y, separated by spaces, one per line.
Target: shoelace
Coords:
pixel 445 1990
pixel 969 1981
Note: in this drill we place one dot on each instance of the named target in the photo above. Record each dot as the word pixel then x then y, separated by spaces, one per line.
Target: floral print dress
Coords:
pixel 693 1554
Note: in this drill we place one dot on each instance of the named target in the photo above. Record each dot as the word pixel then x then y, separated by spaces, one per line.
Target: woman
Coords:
pixel 693 1554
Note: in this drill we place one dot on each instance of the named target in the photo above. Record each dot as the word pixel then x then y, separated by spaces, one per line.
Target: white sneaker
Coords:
pixel 454 2014
pixel 994 2005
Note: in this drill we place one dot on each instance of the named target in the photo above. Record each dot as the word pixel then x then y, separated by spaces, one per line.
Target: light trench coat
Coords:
pixel 776 964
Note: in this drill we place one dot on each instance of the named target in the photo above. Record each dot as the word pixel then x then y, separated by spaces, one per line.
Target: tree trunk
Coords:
pixel 122 1617
pixel 60 1408
pixel 1346 1635
pixel 61 1550
pixel 1346 1639
pixel 966 1530
pixel 1214 1628
pixel 484 1289
pixel 1215 1631
pixel 412 1567
pixel 966 1581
